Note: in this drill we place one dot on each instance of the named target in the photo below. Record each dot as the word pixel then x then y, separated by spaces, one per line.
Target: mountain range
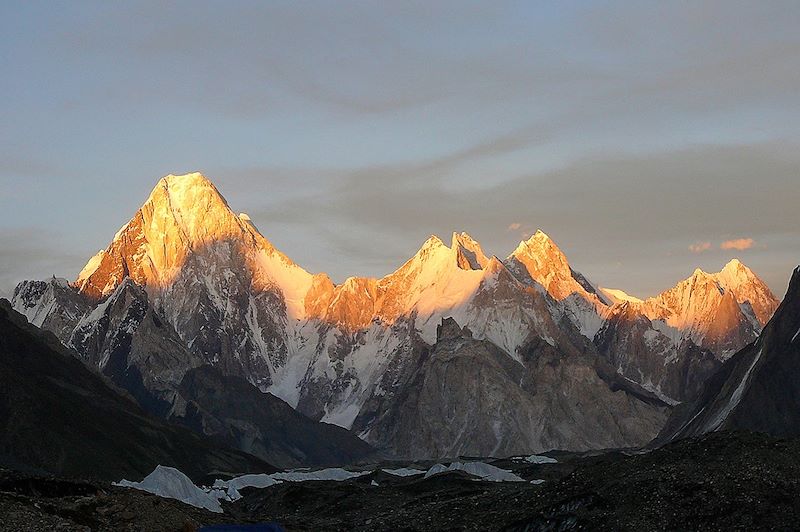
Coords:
pixel 453 353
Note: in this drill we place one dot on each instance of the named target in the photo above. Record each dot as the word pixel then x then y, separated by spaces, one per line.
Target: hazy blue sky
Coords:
pixel 640 135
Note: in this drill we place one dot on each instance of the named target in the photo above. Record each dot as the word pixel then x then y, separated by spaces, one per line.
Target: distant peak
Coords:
pixel 464 239
pixel 195 177
pixel 468 252
pixel 185 189
pixel 543 248
pixel 433 241
pixel 494 265
pixel 540 235
pixel 735 266
pixel 193 202
pixel 432 247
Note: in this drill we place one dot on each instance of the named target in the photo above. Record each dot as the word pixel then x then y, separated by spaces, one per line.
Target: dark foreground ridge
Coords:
pixel 721 481
pixel 58 417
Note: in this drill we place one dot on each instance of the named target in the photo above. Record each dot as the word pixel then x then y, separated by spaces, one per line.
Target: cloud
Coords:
pixel 668 196
pixel 739 243
pixel 699 247
pixel 514 226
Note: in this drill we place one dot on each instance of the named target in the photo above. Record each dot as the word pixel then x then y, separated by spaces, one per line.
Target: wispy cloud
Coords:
pixel 738 243
pixel 699 247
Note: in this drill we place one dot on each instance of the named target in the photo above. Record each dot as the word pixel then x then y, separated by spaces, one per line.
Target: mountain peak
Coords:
pixel 432 241
pixel 747 287
pixel 735 269
pixel 541 252
pixel 468 252
pixel 542 261
pixel 734 263
pixel 187 192
pixel 541 236
pixel 182 182
pixel 183 215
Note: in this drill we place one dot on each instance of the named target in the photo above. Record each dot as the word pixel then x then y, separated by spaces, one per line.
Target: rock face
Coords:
pixel 187 270
pixel 468 397
pixel 758 388
pixel 136 349
pixel 53 305
pixel 59 417
pixel 233 411
pixel 674 370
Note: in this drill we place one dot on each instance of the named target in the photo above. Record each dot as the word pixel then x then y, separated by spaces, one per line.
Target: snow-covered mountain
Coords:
pixel 757 389
pixel 353 354
pixel 673 342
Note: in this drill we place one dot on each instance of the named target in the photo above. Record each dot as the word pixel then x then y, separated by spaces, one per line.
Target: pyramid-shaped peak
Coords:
pixel 432 248
pixel 540 236
pixel 187 191
pixel 494 265
pixel 543 250
pixel 195 178
pixel 737 268
pixel 193 204
pixel 432 242
pixel 734 263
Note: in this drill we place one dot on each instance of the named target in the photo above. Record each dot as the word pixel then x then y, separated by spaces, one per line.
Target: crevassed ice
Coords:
pixel 170 483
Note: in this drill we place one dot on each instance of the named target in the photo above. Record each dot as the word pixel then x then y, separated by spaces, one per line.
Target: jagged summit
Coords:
pixel 544 263
pixel 186 226
pixel 468 252
pixel 538 242
pixel 756 389
pixel 696 298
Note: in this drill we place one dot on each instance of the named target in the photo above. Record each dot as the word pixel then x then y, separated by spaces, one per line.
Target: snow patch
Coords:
pixel 736 396
pixel 618 296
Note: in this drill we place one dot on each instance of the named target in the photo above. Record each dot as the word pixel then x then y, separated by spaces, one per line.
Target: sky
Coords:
pixel 646 138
